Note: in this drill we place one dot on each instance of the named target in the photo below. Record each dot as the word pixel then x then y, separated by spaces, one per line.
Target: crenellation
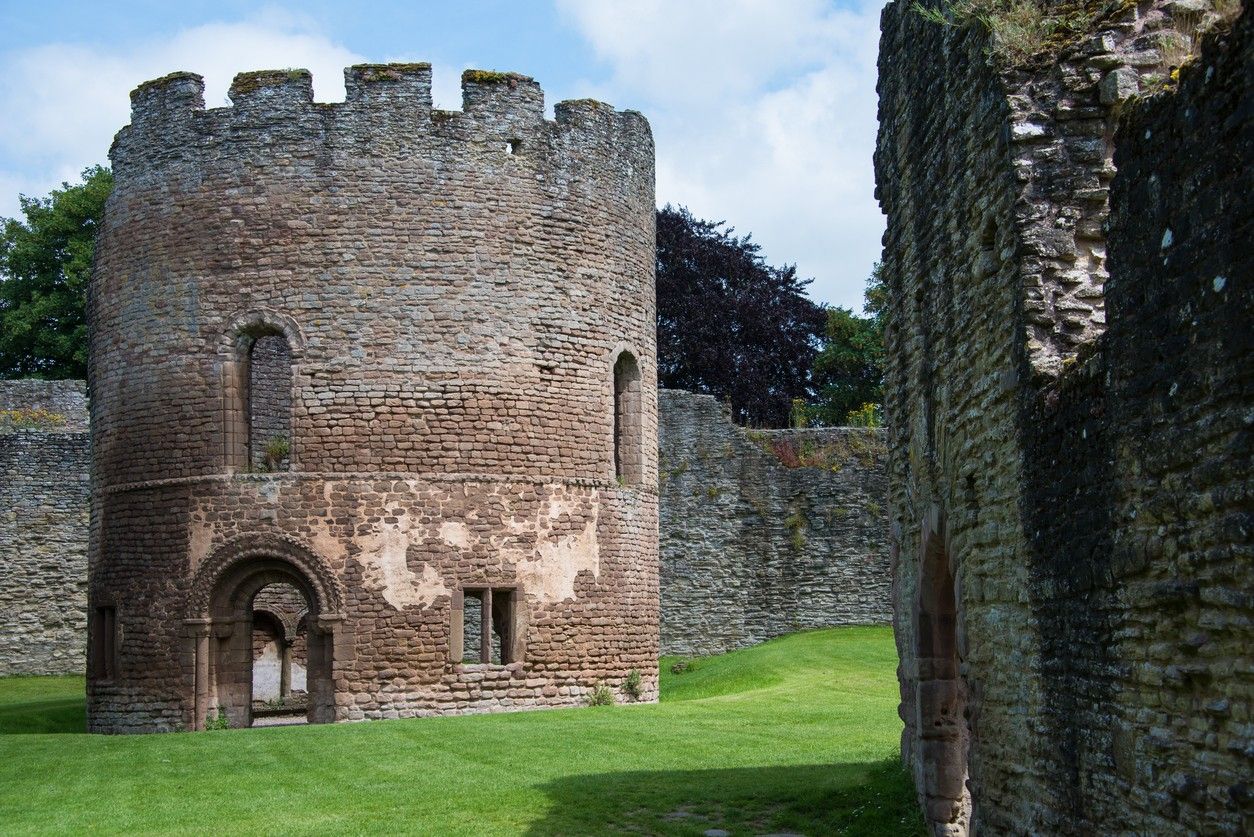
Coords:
pixel 387 113
pixel 502 100
pixel 402 88
pixel 168 96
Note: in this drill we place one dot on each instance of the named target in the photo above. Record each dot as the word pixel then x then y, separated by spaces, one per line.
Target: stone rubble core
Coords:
pixel 1069 400
pixel 399 359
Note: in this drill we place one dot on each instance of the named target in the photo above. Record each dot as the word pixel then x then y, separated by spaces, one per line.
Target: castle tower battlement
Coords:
pixel 399 358
pixel 391 102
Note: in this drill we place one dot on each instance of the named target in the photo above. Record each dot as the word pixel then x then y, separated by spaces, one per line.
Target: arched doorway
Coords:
pixel 941 691
pixel 253 592
pixel 280 655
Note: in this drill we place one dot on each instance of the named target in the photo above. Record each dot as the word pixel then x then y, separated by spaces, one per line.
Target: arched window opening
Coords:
pixel 628 429
pixel 258 401
pixel 280 655
pixel 941 698
pixel 269 403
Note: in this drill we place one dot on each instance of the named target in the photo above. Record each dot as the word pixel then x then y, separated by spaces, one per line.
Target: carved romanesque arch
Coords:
pixel 241 550
pixel 249 324
pixel 219 621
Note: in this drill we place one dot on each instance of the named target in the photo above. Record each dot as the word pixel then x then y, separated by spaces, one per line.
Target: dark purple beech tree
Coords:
pixel 729 324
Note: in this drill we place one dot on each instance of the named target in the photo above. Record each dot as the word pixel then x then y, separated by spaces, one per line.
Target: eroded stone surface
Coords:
pixel 1069 435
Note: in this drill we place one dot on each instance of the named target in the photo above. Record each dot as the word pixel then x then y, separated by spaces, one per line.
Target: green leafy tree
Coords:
pixel 45 265
pixel 849 368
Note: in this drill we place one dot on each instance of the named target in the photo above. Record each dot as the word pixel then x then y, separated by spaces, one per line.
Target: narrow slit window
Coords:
pixel 628 465
pixel 104 636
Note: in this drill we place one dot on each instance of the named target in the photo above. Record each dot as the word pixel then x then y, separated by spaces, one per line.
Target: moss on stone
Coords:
pixel 246 83
pixel 595 104
pixel 374 73
pixel 493 77
pixel 166 80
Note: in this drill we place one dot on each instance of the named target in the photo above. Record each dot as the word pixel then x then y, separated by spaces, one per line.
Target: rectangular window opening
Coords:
pixel 488 626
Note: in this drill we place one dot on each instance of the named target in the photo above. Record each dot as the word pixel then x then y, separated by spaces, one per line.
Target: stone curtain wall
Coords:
pixel 44 502
pixel 454 288
pixel 752 549
pixel 1069 426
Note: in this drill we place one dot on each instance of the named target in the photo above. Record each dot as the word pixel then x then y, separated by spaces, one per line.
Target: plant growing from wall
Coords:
pixel 276 451
pixel 601 696
pixel 219 721
pixel 796 524
pixel 1027 31
pixel 868 415
pixel 30 419
pixel 632 686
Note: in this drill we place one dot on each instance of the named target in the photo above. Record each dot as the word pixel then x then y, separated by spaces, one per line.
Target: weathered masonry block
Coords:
pixel 1071 423
pixel 390 357
pixel 764 532
pixel 44 498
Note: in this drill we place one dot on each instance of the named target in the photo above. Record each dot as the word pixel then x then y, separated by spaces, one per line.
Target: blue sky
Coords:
pixel 763 111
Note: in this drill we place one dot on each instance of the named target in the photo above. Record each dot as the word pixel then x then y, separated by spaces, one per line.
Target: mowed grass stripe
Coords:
pixel 796 734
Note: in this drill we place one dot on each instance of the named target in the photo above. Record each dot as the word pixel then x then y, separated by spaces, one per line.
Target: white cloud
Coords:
pixel 63 103
pixel 764 114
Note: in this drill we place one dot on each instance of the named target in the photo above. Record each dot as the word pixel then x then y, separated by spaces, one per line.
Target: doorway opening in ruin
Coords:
pixel 944 734
pixel 280 655
pixel 262 658
pixel 628 426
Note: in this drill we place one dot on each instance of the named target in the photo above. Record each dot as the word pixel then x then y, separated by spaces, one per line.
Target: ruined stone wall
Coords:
pixel 751 548
pixel 43 529
pixel 454 289
pixel 1069 426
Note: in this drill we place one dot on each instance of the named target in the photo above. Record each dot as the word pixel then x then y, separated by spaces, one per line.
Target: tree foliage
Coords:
pixel 849 369
pixel 45 265
pixel 729 324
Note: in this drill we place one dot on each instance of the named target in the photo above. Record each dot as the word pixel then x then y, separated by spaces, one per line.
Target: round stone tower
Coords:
pixel 399 362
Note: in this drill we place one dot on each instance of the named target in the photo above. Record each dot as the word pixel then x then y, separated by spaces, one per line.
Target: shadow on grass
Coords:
pixel 50 715
pixel 871 798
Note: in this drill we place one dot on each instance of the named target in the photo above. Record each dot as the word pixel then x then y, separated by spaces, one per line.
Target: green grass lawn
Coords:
pixel 798 734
